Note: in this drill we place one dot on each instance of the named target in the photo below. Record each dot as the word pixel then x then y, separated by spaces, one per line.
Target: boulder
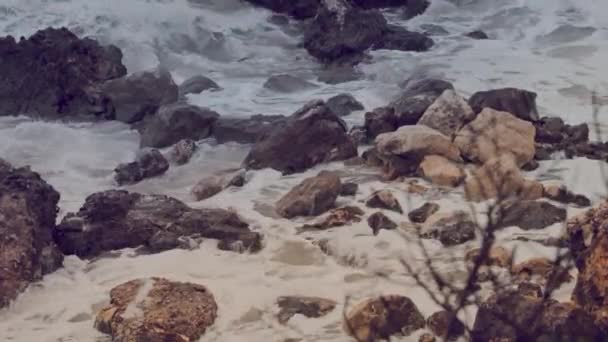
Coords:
pixel 118 219
pixel 28 209
pixel 383 317
pixel 417 96
pixel 302 9
pixel 246 131
pixel 148 163
pixel 312 197
pixel 287 84
pixel 339 217
pixel 453 229
pixel 380 120
pixel 519 102
pixel 529 215
pixel 448 114
pixel 182 151
pixel 311 307
pixel 384 199
pixel 378 221
pixel 398 38
pixel 175 122
pixel 421 214
pixel 63 83
pixel 416 142
pixel 157 309
pixel 445 325
pixel 130 99
pixel 312 135
pixel 497 256
pixel 441 171
pixel 196 85
pixel 344 104
pixel 495 133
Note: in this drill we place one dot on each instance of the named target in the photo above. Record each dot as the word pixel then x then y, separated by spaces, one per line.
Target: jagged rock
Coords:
pixel 418 95
pixel 384 199
pixel 448 114
pixel 312 135
pixel 349 189
pixel 416 142
pixel 287 84
pixel 495 133
pixel 28 210
pixel 563 195
pixel 421 214
pixel 344 104
pixel 312 197
pixel 117 219
pixel 148 163
pixel 301 9
pixel 378 221
pixel 175 122
pixel 497 256
pixel 157 309
pixel 519 102
pixel 246 131
pixel 63 83
pixel 529 215
pixel 311 307
pixel 445 325
pixel 383 317
pixel 336 218
pixel 441 171
pixel 453 229
pixel 478 34
pixel 196 85
pixel 182 151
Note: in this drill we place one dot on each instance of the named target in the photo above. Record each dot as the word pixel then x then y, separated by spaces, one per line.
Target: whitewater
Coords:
pixel 556 48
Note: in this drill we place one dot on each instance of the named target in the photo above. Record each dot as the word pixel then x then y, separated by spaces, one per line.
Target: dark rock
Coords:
pixel 398 38
pixel 563 195
pixel 344 104
pixel 530 290
pixel 577 133
pixel 149 163
pixel 519 102
pixel 312 197
pixel 312 135
pixel 196 85
pixel 415 8
pixel 452 230
pixel 349 189
pixel 445 325
pixel 54 74
pixel 301 9
pixel 246 131
pixel 384 199
pixel 372 158
pixel 336 218
pixel 416 98
pixel 287 84
pixel 529 215
pixel 358 134
pixel 175 122
pixel 311 307
pixel 28 210
pixel 531 165
pixel 380 120
pixel 117 219
pixel 422 213
pixel 181 152
pixel 478 34
pixel 412 8
pixel 378 221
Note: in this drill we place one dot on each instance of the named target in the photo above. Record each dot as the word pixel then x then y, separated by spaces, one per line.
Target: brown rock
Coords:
pixel 441 171
pixel 208 187
pixel 311 307
pixel 312 197
pixel 422 213
pixel 528 215
pixel 182 151
pixel 349 189
pixel 530 289
pixel 543 268
pixel 451 229
pixel 427 337
pixel 416 141
pixel 336 218
pixel 497 256
pixel 445 325
pixel 157 309
pixel 384 199
pixel 378 221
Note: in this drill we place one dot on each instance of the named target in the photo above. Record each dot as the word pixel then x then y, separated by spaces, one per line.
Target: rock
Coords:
pixel 454 229
pixel 136 96
pixel 563 195
pixel 196 85
pixel 61 84
pixel 417 97
pixel 434 30
pixel 415 8
pixel 312 135
pixel 478 34
pixel 500 178
pixel 344 104
pixel 287 84
pixel 246 131
pixel 416 142
pixel 311 307
pixel 148 163
pixel 157 309
pixel 497 256
pixel 529 215
pixel 175 122
pixel 214 184
pixel 312 197
pixel 349 189
pixel 182 151
pixel 117 219
pixel 495 133
pixel 378 221
pixel 510 316
pixel 445 325
pixel 339 73
pixel 421 214
pixel 336 218
pixel 384 199
pixel 398 38
pixel 441 171
pixel 302 9
pixel 380 120
pixel 371 157
pixel 543 268
pixel 383 317
pixel 28 210
pixel 519 102
pixel 448 114
pixel 427 337
pixel 530 290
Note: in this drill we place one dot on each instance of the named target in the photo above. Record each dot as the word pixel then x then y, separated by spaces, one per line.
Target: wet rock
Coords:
pixel 117 219
pixel 421 214
pixel 384 199
pixel 434 30
pixel 542 268
pixel 28 210
pixel 157 309
pixel 339 73
pixel 445 325
pixel 336 218
pixel 529 215
pixel 563 195
pixel 497 256
pixel 196 85
pixel 62 83
pixel 312 135
pixel 383 317
pixel 416 141
pixel 287 84
pixel 312 197
pixel 302 9
pixel 132 98
pixel 454 229
pixel 181 152
pixel 418 95
pixel 380 120
pixel 441 171
pixel 175 122
pixel 378 221
pixel 214 184
pixel 478 34
pixel 519 102
pixel 398 38
pixel 415 8
pixel 344 104
pixel 349 189
pixel 495 133
pixel 148 163
pixel 246 131
pixel 448 114
pixel 311 307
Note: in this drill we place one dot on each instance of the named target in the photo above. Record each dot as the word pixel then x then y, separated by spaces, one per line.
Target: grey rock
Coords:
pixel 288 84
pixel 196 85
pixel 344 104
pixel 149 163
